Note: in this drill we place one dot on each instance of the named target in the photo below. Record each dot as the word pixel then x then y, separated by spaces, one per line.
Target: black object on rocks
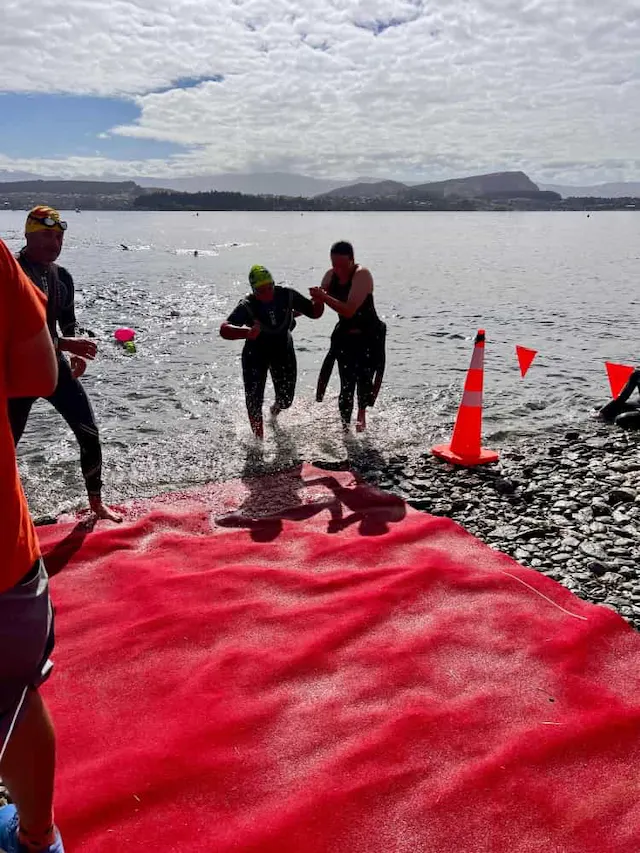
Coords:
pixel 619 496
pixel 598 569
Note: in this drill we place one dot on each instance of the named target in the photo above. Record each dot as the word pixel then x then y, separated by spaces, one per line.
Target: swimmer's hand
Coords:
pixel 78 366
pixel 81 347
pixel 317 294
pixel 253 332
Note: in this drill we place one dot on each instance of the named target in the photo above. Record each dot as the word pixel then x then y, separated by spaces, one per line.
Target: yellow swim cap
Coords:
pixel 259 276
pixel 42 218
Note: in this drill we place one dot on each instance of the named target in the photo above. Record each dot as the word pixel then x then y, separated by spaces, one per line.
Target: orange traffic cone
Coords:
pixel 465 448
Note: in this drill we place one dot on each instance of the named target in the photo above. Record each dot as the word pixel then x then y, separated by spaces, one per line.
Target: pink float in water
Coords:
pixel 124 335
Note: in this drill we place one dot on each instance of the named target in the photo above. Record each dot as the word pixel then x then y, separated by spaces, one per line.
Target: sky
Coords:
pixel 403 89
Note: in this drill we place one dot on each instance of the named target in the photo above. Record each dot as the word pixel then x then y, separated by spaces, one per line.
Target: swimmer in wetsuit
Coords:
pixel 620 411
pixel 264 320
pixel 358 340
pixel 44 232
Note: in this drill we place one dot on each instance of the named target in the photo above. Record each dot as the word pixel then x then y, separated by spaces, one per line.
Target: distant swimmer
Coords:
pixel 125 248
pixel 620 411
pixel 358 341
pixel 195 253
pixel 44 231
pixel 264 320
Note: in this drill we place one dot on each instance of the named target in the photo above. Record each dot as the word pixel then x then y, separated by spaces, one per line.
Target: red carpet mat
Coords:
pixel 298 663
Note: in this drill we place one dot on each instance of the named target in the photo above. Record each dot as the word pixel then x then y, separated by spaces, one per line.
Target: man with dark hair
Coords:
pixel 358 340
pixel 28 366
pixel 44 232
pixel 264 320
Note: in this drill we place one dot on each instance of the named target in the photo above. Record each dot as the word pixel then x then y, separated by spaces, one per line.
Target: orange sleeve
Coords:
pixel 23 306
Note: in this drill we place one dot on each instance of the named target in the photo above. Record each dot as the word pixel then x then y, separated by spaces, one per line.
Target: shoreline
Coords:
pixel 568 506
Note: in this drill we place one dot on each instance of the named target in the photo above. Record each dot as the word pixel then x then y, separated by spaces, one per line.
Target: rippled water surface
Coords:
pixel 173 415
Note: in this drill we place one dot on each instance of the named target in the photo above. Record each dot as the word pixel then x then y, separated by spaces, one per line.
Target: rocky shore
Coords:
pixel 568 507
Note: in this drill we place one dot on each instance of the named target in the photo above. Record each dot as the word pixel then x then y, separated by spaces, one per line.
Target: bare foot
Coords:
pixel 275 410
pixel 103 512
pixel 361 423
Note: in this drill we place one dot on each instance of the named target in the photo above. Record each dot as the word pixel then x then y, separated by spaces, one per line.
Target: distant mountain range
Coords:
pixel 498 184
pixel 495 191
pixel 630 189
pixel 282 183
pixel 66 195
pixel 368 189
pixel 267 183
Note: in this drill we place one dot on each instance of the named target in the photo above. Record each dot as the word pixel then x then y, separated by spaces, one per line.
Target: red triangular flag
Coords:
pixel 618 375
pixel 525 358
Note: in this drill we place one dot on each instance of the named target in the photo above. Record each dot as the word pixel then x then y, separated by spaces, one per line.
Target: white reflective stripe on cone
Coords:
pixel 477 359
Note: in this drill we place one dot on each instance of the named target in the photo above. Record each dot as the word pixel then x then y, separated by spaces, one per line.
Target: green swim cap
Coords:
pixel 259 276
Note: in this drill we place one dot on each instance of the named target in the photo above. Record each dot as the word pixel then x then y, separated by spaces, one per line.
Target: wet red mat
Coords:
pixel 302 664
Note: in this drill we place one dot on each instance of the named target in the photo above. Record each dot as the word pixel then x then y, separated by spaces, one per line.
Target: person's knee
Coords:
pixel 88 436
pixel 33 730
pixel 284 398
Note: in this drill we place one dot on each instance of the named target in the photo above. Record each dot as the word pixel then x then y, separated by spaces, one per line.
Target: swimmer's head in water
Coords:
pixel 44 230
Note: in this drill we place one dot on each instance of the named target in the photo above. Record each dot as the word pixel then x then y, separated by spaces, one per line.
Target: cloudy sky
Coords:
pixel 411 89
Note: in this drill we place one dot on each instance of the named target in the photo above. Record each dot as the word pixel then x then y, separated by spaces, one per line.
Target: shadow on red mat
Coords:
pixel 363 678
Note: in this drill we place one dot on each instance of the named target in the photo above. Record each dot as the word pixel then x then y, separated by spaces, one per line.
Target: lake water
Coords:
pixel 173 415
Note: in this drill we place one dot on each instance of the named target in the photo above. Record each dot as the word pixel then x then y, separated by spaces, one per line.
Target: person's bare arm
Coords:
pixel 32 369
pixel 81 347
pixel 361 287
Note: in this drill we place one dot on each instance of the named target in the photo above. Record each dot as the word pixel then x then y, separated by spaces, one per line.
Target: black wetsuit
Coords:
pixel 69 397
pixel 272 351
pixel 620 410
pixel 358 345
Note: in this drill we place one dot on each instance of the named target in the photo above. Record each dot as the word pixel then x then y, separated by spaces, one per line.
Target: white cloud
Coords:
pixel 446 86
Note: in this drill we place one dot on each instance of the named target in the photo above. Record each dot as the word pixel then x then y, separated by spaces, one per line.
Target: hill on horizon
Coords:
pixel 474 186
pixel 621 189
pixel 479 185
pixel 84 187
pixel 295 185
pixel 374 189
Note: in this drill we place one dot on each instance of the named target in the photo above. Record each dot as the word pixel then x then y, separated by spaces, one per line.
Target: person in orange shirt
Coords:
pixel 28 367
pixel 44 233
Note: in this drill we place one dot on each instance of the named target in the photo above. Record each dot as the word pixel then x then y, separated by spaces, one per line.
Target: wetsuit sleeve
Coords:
pixel 240 316
pixel 23 306
pixel 301 304
pixel 67 310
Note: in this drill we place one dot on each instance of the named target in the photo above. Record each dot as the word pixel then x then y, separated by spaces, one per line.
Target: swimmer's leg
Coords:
pixel 284 375
pixel 70 400
pixel 347 367
pixel 254 374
